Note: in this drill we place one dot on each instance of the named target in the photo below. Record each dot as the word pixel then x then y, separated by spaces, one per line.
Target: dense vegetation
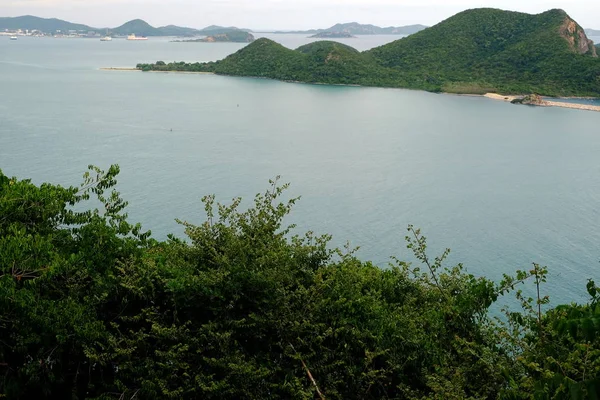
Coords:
pixel 236 36
pixel 233 36
pixel 92 308
pixel 476 51
pixel 508 51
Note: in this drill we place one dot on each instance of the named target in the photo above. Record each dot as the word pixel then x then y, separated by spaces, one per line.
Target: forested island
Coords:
pixel 490 51
pixel 333 35
pixel 354 28
pixel 235 36
pixel 92 307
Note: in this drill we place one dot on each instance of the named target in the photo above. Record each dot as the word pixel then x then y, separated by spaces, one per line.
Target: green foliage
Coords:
pixel 476 51
pixel 237 35
pixel 91 307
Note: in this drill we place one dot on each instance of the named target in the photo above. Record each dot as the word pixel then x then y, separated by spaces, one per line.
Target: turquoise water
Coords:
pixel 502 185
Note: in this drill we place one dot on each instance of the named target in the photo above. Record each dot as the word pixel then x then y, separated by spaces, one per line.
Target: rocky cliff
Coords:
pixel 577 38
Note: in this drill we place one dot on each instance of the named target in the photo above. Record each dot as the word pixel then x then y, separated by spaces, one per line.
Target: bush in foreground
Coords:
pixel 93 308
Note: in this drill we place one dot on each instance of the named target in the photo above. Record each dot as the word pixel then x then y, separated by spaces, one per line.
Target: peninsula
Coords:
pixel 491 51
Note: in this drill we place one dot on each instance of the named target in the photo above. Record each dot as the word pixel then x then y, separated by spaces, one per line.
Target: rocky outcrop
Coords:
pixel 575 35
pixel 530 100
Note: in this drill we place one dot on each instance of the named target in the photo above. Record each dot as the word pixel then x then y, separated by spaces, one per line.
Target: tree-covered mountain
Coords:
pixel 494 49
pixel 173 30
pixel 50 25
pixel 476 51
pixel 137 27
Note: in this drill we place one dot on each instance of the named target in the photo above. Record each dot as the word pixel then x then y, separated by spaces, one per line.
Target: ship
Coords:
pixel 133 37
pixel 106 39
pixel 13 38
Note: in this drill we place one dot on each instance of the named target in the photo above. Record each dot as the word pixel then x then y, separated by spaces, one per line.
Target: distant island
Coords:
pixel 491 51
pixel 354 28
pixel 236 36
pixel 138 27
pixel 333 35
pixel 592 32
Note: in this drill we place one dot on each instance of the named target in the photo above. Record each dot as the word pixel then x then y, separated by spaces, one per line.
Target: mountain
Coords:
pixel 354 28
pixel 219 30
pixel 476 51
pixel 173 30
pixel 592 32
pixel 547 53
pixel 50 25
pixel 137 27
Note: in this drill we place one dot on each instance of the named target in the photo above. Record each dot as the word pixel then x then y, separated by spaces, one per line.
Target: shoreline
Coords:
pixel 492 96
pixel 128 69
pixel 546 103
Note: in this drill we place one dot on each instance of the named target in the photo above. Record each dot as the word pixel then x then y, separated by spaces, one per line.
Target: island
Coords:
pixel 354 28
pixel 234 36
pixel 491 51
pixel 333 35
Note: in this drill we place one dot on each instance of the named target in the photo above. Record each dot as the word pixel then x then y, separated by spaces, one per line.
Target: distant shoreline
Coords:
pixel 493 96
pixel 127 69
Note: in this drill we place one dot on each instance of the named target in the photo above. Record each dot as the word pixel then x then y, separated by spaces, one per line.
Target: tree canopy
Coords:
pixel 91 307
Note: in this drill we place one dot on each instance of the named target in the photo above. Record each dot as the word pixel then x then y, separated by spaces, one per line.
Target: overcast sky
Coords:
pixel 282 14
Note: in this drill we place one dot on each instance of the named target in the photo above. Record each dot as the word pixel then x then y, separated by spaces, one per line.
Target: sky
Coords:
pixel 281 14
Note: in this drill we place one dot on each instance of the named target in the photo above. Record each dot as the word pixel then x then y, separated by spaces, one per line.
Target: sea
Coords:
pixel 502 186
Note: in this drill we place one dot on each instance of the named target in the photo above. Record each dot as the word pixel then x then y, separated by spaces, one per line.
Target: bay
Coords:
pixel 502 185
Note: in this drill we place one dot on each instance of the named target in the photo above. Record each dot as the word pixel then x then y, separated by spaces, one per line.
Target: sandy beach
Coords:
pixel 586 107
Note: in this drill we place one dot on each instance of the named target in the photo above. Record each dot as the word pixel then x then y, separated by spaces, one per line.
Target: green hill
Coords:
pixel 49 25
pixel 137 27
pixel 265 59
pixel 546 53
pixel 235 36
pixel 319 62
pixel 476 51
pixel 333 62
pixel 173 30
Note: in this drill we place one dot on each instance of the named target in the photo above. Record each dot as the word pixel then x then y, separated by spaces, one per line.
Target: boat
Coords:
pixel 106 39
pixel 13 38
pixel 133 37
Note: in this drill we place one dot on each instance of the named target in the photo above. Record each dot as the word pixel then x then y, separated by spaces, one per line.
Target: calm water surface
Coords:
pixel 502 185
